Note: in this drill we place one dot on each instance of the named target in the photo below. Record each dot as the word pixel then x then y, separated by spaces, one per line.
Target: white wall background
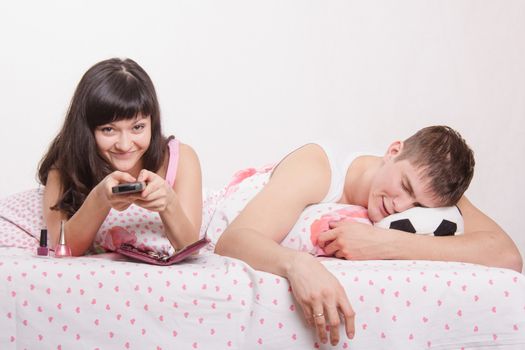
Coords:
pixel 245 81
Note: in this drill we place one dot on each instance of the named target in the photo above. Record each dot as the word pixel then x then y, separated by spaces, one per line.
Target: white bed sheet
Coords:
pixel 213 302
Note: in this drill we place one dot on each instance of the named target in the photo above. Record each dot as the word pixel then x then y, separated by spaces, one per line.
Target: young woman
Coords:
pixel 111 135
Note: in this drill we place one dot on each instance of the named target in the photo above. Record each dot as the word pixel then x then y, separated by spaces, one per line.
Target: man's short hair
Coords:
pixel 444 157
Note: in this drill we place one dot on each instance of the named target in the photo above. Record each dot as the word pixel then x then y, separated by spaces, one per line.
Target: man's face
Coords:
pixel 398 186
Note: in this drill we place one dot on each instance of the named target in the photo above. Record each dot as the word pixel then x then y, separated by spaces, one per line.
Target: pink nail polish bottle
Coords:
pixel 62 249
pixel 42 250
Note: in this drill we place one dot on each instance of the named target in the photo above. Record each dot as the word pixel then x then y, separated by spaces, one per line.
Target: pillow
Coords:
pixel 445 221
pixel 316 219
pixel 143 229
pixel 24 209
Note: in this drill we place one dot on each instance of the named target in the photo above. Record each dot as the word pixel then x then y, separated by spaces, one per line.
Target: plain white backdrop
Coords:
pixel 244 82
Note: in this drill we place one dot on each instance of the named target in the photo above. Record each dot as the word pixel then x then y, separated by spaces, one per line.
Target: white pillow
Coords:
pixel 316 218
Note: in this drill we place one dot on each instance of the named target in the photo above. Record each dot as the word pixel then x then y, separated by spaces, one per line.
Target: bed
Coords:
pixel 213 302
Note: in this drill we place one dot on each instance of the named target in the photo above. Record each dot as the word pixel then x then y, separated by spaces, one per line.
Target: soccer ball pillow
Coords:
pixel 445 221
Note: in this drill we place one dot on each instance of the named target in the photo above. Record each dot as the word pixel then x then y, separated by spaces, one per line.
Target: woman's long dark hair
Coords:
pixel 111 90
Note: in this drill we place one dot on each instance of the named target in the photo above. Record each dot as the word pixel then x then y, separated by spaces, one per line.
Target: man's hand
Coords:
pixel 356 241
pixel 323 299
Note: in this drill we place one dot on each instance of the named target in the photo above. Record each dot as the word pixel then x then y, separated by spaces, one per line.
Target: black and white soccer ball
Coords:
pixel 445 221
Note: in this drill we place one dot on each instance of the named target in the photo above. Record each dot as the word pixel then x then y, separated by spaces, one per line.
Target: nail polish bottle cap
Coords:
pixel 43 237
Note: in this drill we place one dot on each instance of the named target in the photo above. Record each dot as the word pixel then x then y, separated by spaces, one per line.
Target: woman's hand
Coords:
pixel 157 195
pixel 118 202
pixel 322 298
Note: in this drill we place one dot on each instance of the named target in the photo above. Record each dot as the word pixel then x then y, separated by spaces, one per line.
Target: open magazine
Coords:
pixel 155 258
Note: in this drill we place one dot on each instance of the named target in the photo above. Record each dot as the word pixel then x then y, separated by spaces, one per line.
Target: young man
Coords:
pixel 432 168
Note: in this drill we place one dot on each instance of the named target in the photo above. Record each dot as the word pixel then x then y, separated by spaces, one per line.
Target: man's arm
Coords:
pixel 484 242
pixel 300 179
pixel 496 248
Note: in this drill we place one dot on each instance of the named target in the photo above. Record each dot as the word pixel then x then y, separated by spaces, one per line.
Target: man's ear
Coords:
pixel 393 150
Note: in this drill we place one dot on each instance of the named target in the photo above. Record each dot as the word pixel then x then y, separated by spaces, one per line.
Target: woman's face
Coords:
pixel 123 143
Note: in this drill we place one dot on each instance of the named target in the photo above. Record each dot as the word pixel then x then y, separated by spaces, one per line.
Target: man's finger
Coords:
pixel 320 324
pixel 331 248
pixel 349 317
pixel 326 237
pixel 335 224
pixel 307 311
pixel 333 323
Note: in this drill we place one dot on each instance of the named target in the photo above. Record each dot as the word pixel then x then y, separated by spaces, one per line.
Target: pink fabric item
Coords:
pixel 118 235
pixel 350 213
pixel 141 226
pixel 244 174
pixel 173 163
pixel 239 176
pixel 315 219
